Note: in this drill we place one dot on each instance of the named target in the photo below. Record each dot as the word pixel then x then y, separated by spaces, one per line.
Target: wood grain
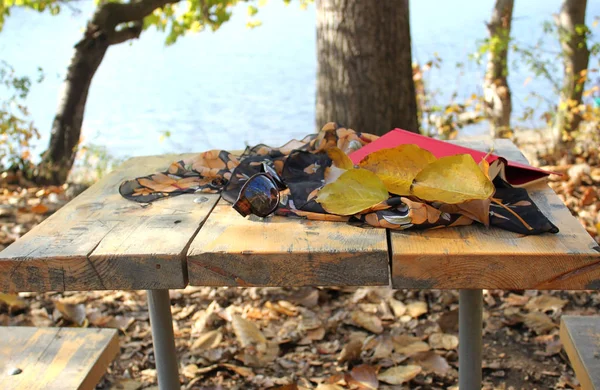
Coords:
pixel 234 251
pixel 580 337
pixel 56 358
pixel 476 257
pixel 101 241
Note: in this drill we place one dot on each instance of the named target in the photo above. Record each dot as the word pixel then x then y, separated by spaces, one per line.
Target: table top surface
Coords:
pixel 100 240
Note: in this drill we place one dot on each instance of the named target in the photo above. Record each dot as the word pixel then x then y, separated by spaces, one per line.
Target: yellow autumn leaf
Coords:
pixel 452 180
pixel 354 191
pixel 339 158
pixel 397 167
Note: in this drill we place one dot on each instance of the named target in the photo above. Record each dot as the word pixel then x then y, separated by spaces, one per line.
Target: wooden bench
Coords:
pixel 580 336
pixel 55 358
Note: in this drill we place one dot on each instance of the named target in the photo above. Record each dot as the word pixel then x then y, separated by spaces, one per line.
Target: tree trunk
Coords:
pixel 102 31
pixel 572 35
pixel 364 77
pixel 496 92
pixel 66 128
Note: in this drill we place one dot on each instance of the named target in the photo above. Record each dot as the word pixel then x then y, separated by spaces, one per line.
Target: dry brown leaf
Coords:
pixel 120 322
pixel 516 300
pixel 432 362
pixel 351 351
pixel 339 158
pixel 416 309
pixel 370 322
pixel 13 302
pixel 384 347
pixel 453 179
pixel 546 303
pixel 409 345
pixel 326 386
pixel 354 191
pixel 478 210
pixel 397 167
pixel 363 377
pixel 399 375
pixel 443 341
pixel 190 371
pixel 39 209
pixel 538 322
pixel 398 307
pixel 126 384
pixel 307 298
pixel 74 313
pixel 242 371
pixel 207 340
pixel 248 333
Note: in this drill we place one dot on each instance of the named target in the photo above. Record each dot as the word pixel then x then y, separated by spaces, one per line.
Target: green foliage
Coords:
pixel 16 129
pixel 52 6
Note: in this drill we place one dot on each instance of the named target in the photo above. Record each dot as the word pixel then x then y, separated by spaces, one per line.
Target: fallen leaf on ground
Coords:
pixel 432 362
pixel 443 341
pixel 416 309
pixel 39 209
pixel 398 307
pixel 545 303
pixel 370 322
pixel 538 322
pixel 243 371
pixel 72 312
pixel 399 375
pixel 452 180
pixel 397 167
pixel 207 340
pixel 248 333
pixel 383 347
pixel 409 345
pixel 325 386
pixel 120 322
pixel 363 377
pixel 13 302
pixel 351 351
pixel 354 191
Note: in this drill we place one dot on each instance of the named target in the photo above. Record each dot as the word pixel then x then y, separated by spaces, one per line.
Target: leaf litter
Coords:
pixel 522 347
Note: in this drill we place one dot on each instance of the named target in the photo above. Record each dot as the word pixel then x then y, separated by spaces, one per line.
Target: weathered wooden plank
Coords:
pixel 100 240
pixel 234 251
pixel 476 257
pixel 580 337
pixel 56 358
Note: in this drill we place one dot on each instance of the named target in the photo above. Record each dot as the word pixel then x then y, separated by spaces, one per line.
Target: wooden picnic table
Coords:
pixel 102 241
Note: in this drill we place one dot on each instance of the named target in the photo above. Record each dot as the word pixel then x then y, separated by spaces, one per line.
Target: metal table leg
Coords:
pixel 470 324
pixel 165 355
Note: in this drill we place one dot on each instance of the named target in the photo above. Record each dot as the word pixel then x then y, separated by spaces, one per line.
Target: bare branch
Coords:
pixel 125 34
pixel 110 15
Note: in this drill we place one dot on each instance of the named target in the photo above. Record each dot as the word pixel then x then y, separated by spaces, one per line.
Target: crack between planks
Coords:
pixel 87 256
pixel 184 252
pixel 388 238
pixel 568 274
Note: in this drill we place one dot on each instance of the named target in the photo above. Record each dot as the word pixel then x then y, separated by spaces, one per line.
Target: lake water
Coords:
pixel 237 86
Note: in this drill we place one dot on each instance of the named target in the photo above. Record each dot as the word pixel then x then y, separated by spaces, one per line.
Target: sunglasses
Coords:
pixel 260 193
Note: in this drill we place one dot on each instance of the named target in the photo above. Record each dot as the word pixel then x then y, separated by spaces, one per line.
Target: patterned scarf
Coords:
pixel 302 165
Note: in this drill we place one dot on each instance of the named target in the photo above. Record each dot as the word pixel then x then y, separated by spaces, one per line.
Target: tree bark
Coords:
pixel 364 77
pixel 572 35
pixel 496 92
pixel 102 31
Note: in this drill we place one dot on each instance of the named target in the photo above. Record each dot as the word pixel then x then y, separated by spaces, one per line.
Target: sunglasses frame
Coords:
pixel 243 206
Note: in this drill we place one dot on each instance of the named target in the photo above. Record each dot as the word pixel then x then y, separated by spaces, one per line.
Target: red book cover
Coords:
pixel 517 174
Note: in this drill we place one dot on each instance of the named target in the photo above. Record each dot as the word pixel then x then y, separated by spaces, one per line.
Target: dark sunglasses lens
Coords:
pixel 262 193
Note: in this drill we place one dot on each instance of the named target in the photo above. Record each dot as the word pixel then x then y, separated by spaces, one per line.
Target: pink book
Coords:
pixel 517 174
